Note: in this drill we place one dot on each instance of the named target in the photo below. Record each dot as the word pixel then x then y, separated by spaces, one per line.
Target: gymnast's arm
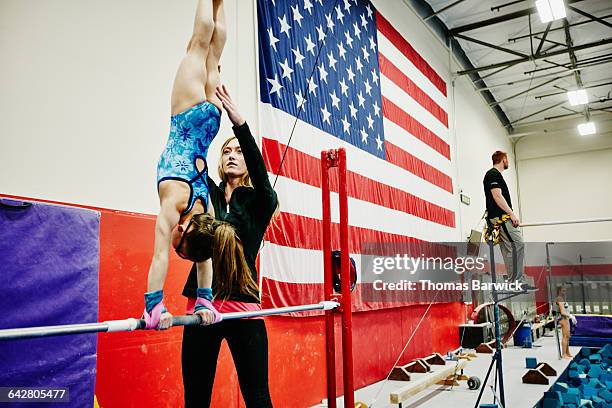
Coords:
pixel 252 155
pixel 169 216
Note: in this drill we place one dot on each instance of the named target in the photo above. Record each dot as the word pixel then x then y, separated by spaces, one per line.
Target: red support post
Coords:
pixel 327 285
pixel 329 159
pixel 345 279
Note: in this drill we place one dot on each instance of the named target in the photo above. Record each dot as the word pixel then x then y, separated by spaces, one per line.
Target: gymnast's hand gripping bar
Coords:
pixel 132 324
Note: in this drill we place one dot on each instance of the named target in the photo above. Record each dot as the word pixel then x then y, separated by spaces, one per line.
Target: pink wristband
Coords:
pixel 208 305
pixel 152 320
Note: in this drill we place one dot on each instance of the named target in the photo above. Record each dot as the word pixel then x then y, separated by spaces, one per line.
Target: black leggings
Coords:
pixel 248 343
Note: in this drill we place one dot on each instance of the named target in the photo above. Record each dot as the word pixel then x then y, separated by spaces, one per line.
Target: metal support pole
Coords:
pixel 345 278
pixel 549 270
pixel 330 340
pixel 497 356
pixel 498 345
pixel 583 221
pixel 582 286
pixel 329 159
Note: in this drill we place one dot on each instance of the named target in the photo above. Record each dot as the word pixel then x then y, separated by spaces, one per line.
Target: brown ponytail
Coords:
pixel 218 240
pixel 229 264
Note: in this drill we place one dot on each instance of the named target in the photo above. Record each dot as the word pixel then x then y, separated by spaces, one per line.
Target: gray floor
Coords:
pixel 518 395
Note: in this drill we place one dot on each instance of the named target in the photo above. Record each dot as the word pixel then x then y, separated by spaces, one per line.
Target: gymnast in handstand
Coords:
pixel 183 221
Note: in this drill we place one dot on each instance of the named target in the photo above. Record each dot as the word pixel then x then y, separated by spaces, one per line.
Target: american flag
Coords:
pixel 338 74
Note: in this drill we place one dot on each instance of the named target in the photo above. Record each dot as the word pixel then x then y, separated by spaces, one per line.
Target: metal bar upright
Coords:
pixel 550 283
pixel 330 159
pixel 330 340
pixel 345 279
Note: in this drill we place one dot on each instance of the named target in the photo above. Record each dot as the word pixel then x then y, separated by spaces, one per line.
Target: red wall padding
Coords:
pixel 143 368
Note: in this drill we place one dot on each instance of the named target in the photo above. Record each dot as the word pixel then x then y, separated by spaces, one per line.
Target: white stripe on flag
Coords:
pixel 413 108
pixel 296 265
pixel 401 138
pixel 312 141
pixel 361 213
pixel 389 50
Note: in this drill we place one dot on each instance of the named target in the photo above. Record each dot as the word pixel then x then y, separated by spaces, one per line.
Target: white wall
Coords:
pixel 564 176
pixel 86 88
pixel 479 134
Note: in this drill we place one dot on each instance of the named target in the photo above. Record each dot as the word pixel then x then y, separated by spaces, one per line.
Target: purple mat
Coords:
pixel 49 261
pixel 593 326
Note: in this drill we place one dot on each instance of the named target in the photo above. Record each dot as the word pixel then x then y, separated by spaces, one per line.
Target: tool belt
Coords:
pixel 495 229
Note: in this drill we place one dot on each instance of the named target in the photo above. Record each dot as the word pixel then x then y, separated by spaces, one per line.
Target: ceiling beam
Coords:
pixel 587 62
pixel 543 38
pixel 578 113
pixel 495 47
pixel 499 19
pixel 443 9
pixel 573 62
pixel 528 90
pixel 501 6
pixel 520 37
pixel 584 13
pixel 537 57
pixel 537 113
pixel 584 87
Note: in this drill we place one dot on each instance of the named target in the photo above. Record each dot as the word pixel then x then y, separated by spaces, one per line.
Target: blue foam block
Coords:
pixel 595 358
pixel 570 399
pixel 596 384
pixel 560 386
pixel 488 406
pixel 588 392
pixel 598 402
pixel 531 362
pixel 551 403
pixel 605 394
pixel 585 363
pixel 555 395
pixel 595 371
pixel 585 351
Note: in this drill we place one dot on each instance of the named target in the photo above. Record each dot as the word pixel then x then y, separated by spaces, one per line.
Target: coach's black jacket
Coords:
pixel 249 209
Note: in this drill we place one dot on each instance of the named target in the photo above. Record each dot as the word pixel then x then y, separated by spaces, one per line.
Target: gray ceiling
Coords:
pixel 528 75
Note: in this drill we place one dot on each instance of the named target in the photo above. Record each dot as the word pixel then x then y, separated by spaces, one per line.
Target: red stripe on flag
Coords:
pixel 406 161
pixel 409 52
pixel 388 69
pixel 280 294
pixel 298 231
pixel 304 168
pixel 396 115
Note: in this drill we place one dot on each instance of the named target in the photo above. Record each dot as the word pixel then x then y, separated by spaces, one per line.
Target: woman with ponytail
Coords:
pixel 244 204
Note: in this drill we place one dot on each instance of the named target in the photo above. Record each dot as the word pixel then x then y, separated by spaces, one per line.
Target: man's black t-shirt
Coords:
pixel 493 179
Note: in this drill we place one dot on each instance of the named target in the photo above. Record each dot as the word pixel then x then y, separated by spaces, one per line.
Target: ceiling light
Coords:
pixel 579 97
pixel 586 129
pixel 550 10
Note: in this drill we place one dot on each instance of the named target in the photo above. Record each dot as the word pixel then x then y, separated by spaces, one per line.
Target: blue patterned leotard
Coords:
pixel 191 133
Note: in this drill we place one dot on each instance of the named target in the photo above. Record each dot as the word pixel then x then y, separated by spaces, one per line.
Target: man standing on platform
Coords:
pixel 502 220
